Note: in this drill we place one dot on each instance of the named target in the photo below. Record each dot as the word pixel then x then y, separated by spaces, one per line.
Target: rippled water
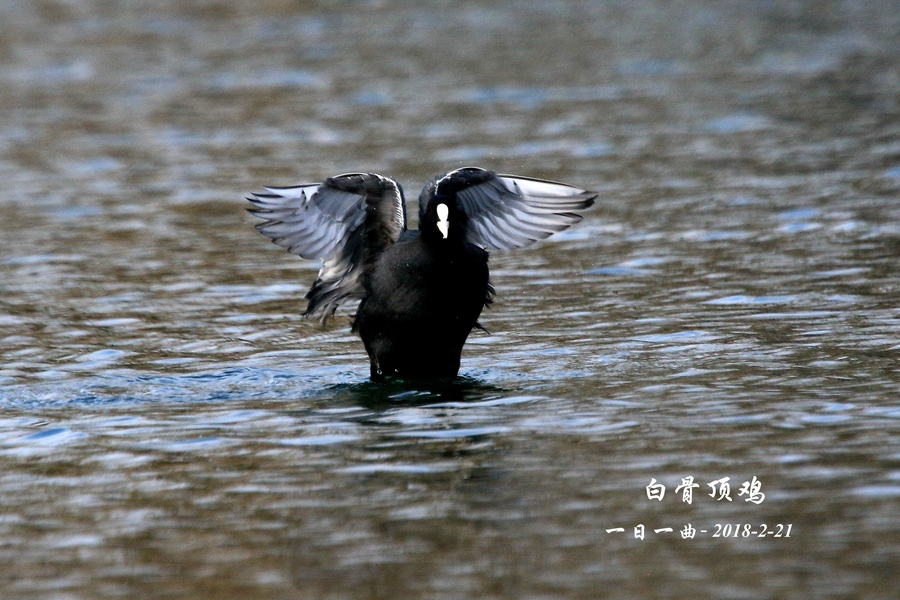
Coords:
pixel 170 426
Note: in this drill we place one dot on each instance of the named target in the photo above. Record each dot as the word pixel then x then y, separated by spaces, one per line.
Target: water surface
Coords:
pixel 171 427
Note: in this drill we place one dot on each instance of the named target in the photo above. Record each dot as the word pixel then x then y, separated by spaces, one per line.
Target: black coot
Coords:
pixel 420 292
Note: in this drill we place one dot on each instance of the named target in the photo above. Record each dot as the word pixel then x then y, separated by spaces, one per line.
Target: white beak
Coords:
pixel 443 224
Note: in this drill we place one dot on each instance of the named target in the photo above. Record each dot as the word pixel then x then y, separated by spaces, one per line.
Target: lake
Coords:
pixel 692 393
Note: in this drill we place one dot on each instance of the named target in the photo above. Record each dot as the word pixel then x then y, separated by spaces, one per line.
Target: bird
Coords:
pixel 422 291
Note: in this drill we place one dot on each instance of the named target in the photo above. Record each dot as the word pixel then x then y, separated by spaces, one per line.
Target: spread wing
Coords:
pixel 345 221
pixel 507 211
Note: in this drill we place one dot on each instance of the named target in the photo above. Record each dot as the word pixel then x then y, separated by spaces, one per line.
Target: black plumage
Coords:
pixel 421 291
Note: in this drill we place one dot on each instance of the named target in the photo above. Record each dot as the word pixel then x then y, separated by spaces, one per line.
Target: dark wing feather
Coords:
pixel 346 221
pixel 507 211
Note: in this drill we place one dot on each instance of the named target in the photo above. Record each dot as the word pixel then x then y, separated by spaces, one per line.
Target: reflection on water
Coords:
pixel 170 426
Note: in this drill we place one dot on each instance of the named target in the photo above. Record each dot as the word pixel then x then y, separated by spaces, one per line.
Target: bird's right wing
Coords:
pixel 346 221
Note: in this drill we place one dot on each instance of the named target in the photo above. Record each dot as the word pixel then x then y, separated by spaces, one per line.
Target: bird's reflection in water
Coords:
pixel 396 392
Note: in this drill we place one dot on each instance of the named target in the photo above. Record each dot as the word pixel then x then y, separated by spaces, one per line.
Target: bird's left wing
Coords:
pixel 508 211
